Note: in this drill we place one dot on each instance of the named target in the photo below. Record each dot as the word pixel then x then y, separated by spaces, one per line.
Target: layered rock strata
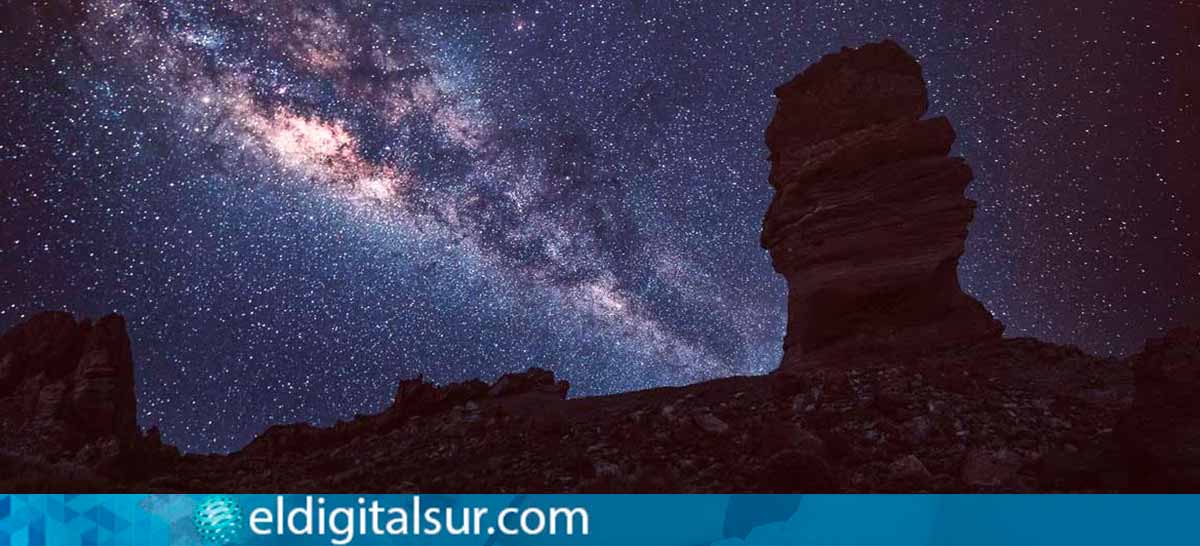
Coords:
pixel 868 219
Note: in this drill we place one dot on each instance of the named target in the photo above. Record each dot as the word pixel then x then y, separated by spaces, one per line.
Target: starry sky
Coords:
pixel 296 204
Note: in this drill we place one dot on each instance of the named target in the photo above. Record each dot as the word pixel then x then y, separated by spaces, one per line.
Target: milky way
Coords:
pixel 298 204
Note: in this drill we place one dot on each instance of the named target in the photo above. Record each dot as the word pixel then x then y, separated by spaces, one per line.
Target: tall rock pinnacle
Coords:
pixel 869 218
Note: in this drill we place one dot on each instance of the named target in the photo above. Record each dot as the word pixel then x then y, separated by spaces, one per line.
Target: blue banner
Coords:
pixel 171 519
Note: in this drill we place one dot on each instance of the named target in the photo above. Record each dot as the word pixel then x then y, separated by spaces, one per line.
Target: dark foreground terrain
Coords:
pixel 1009 415
pixel 892 379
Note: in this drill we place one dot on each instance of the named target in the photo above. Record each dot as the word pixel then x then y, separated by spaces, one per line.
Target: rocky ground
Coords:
pixel 1015 416
pixel 1010 415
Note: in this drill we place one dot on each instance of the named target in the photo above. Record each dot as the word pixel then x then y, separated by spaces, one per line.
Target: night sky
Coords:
pixel 297 204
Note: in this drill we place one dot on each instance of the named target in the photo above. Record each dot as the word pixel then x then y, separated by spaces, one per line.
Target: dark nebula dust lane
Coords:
pixel 297 204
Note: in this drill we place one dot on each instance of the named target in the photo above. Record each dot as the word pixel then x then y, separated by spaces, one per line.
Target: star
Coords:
pixel 296 206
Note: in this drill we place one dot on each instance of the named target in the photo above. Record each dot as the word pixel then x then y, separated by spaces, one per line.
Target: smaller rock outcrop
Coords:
pixel 66 384
pixel 1161 434
pixel 68 411
pixel 869 218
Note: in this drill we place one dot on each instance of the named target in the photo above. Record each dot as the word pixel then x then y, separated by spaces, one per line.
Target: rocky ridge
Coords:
pixel 1016 415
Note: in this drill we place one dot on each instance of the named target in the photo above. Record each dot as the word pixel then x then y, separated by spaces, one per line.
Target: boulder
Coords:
pixel 908 473
pixel 991 469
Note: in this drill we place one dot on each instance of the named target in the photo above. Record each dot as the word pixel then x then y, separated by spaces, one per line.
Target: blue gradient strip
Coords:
pixel 150 520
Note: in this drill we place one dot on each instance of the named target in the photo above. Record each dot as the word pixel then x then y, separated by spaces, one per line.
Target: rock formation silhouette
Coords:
pixel 67 396
pixel 69 383
pixel 869 218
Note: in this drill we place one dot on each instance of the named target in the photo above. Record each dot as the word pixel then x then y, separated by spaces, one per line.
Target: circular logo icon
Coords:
pixel 217 519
